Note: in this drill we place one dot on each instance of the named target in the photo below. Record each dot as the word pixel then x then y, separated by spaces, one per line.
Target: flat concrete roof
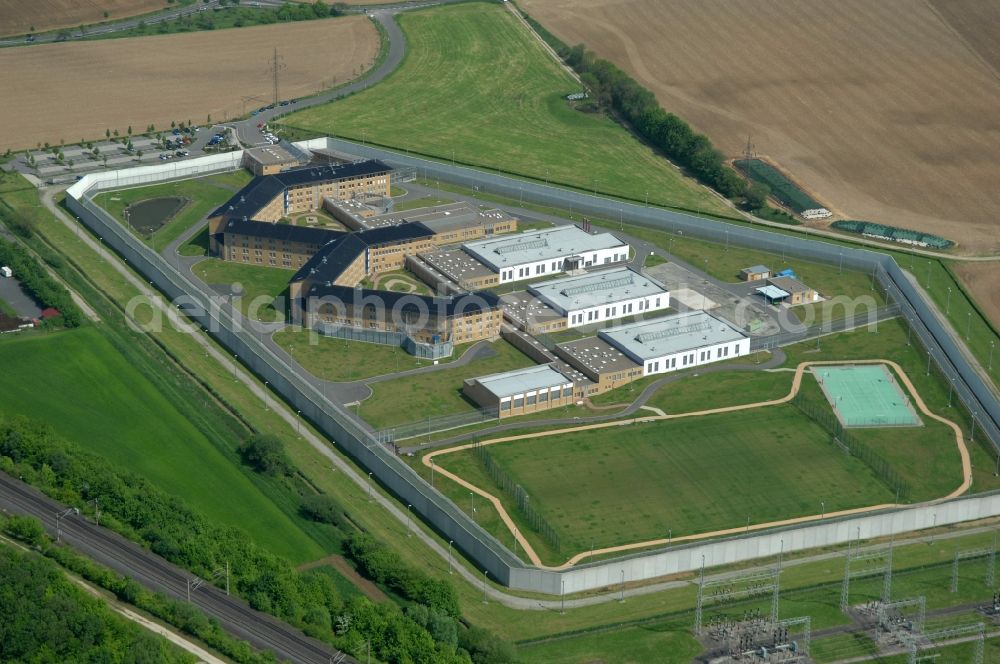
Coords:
pixel 525 308
pixel 456 264
pixel 598 355
pixel 509 383
pixel 789 284
pixel 440 218
pixel 670 334
pixel 595 289
pixel 271 154
pixel 541 245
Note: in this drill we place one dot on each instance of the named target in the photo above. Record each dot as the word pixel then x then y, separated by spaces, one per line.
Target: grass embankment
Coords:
pixel 260 286
pixel 204 195
pixel 437 393
pixel 105 404
pixel 477 88
pixel 341 360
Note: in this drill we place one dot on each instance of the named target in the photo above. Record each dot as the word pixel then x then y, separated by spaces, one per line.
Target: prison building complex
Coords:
pixel 521 391
pixel 677 342
pixel 352 257
pixel 453 223
pixel 276 245
pixel 605 366
pixel 269 159
pixel 271 198
pixel 602 296
pixel 459 319
pixel 547 251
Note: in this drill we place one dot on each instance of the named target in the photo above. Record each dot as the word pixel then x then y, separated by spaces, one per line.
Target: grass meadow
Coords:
pixel 101 402
pixel 477 88
pixel 261 285
pixel 619 485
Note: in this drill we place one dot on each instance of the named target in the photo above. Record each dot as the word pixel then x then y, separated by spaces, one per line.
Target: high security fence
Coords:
pixel 441 513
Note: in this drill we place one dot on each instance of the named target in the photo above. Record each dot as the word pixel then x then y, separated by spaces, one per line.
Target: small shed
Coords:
pixel 799 293
pixel 50 312
pixel 772 293
pixel 755 273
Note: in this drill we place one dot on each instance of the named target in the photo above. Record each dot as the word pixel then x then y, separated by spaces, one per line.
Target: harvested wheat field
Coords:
pixel 980 280
pixel 883 110
pixel 20 16
pixel 78 90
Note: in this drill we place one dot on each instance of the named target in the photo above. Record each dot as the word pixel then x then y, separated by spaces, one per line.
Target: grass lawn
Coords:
pixel 205 194
pixel 261 285
pixel 666 644
pixel 342 360
pixel 426 201
pixel 691 475
pixel 107 406
pixel 476 87
pixel 385 280
pixel 437 393
pixel 652 260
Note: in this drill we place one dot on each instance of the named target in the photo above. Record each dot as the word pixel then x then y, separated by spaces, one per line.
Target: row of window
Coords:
pixel 532 399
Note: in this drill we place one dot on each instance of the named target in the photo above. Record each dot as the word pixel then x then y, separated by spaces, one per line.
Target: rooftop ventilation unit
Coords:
pixel 647 337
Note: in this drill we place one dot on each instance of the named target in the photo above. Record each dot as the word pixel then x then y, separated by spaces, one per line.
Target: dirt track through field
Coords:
pixel 19 16
pixel 882 110
pixel 428 460
pixel 70 91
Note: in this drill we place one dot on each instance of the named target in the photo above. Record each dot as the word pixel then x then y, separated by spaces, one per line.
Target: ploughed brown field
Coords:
pixel 70 91
pixel 885 111
pixel 18 16
pixel 981 281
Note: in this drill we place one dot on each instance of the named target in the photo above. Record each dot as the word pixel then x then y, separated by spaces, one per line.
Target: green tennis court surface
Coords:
pixel 866 396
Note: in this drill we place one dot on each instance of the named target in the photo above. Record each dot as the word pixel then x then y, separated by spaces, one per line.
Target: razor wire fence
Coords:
pixel 431 425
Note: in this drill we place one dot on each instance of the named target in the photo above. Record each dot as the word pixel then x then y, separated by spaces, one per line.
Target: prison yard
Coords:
pixel 612 509
pixel 503 109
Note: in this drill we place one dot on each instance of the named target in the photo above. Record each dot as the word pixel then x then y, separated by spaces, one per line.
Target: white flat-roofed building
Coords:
pixel 602 296
pixel 677 342
pixel 521 391
pixel 547 251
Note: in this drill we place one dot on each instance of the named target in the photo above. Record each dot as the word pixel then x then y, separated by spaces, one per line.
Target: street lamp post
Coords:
pixel 951 390
pixel 822 505
pixel 265 395
pixel 485 574
pixel 409 520
pixel 450 560
pixel 993 344
pixel 947 306
pixel 369 487
pixel 968 324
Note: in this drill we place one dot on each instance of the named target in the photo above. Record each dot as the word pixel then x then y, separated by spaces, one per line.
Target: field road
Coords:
pixel 156 574
pixel 428 460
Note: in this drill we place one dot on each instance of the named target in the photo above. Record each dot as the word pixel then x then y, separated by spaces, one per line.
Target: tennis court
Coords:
pixel 866 396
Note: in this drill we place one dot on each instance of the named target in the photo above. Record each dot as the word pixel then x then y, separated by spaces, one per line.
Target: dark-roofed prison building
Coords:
pixel 270 198
pixel 458 319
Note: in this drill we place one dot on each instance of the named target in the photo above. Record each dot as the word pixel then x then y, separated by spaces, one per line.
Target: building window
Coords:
pixel 567 392
pixel 519 402
pixel 531 399
pixel 543 396
pixel 505 405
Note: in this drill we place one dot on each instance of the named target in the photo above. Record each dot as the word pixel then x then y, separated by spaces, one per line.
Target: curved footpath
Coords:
pixel 428 460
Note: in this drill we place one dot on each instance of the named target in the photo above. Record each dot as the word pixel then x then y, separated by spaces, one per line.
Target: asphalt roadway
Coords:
pixel 153 572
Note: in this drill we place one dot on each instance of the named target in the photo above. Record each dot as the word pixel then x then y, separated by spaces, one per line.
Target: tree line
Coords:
pixel 309 600
pixel 46 618
pixel 615 91
pixel 38 283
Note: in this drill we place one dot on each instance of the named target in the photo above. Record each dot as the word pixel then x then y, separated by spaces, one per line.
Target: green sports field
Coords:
pixel 101 402
pixel 620 485
pixel 476 86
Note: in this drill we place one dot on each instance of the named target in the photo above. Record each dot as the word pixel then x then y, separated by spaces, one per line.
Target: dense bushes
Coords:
pixel 615 90
pixel 45 618
pixel 265 454
pixel 324 509
pixel 36 281
pixel 376 561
